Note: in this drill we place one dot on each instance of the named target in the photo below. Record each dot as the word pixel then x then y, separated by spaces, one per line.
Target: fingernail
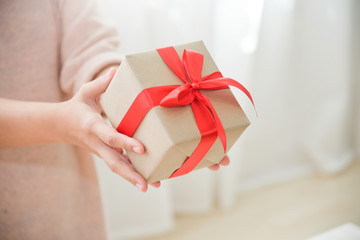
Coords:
pixel 138 185
pixel 137 149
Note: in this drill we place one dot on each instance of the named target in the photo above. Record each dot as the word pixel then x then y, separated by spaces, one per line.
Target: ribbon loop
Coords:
pixel 193 63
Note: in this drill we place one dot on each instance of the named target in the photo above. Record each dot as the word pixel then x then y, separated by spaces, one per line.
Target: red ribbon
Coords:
pixel 207 120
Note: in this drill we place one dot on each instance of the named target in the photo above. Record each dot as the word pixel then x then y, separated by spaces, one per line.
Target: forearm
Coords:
pixel 32 123
pixel 28 123
pixel 76 121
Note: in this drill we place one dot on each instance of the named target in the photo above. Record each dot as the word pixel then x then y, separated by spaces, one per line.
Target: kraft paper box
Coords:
pixel 169 134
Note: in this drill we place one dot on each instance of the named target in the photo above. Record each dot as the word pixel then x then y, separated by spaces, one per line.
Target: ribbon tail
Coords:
pixel 238 85
pixel 222 83
pixel 219 126
pixel 196 157
pixel 208 137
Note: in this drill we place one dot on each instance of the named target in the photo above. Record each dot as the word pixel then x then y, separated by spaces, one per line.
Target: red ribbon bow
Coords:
pixel 189 71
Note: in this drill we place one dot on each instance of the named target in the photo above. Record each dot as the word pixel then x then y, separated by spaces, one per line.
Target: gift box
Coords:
pixel 176 102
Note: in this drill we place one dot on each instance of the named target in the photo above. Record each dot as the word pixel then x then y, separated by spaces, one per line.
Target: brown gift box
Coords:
pixel 169 134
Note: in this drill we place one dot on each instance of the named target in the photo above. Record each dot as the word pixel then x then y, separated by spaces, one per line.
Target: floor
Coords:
pixel 294 210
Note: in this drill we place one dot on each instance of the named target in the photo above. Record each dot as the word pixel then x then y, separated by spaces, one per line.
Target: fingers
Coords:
pixel 121 166
pixel 224 162
pixel 99 85
pixel 116 140
pixel 214 167
pixel 126 158
pixel 155 184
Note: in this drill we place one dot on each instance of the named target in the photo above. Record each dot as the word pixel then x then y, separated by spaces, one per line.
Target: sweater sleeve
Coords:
pixel 88 43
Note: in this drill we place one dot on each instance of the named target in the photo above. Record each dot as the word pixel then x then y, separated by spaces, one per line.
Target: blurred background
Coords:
pixel 295 172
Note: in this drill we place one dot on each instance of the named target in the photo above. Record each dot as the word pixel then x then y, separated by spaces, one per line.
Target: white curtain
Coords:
pixel 298 58
pixel 304 85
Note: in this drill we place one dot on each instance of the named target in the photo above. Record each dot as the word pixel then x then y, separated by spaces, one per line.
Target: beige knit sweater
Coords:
pixel 48 48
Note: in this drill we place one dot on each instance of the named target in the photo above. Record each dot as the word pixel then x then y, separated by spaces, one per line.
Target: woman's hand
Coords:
pixel 81 119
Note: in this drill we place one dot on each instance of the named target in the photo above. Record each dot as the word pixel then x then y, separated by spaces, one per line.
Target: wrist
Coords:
pixel 59 122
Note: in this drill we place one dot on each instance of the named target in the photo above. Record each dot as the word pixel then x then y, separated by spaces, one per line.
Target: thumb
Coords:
pixel 99 85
